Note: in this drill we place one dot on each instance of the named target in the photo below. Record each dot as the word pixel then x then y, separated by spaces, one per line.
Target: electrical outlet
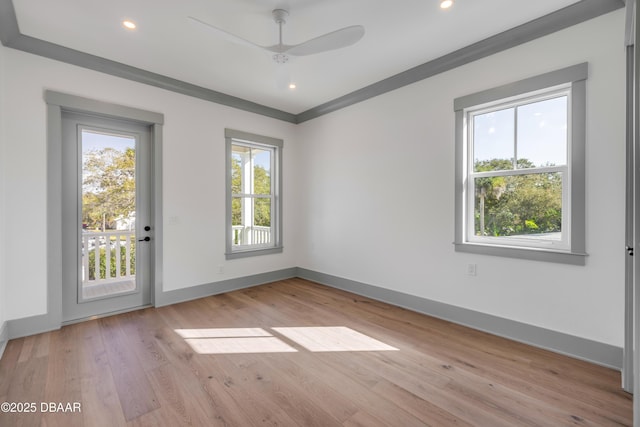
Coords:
pixel 471 269
pixel 221 269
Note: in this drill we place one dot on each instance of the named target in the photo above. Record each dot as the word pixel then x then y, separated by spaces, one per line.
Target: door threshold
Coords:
pixel 100 316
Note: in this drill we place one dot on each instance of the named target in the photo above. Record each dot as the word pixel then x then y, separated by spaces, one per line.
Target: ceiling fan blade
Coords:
pixel 330 41
pixel 224 34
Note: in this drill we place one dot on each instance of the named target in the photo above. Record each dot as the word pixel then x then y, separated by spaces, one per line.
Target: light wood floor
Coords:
pixel 141 369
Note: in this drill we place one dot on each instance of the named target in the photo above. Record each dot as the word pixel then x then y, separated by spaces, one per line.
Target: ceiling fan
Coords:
pixel 334 40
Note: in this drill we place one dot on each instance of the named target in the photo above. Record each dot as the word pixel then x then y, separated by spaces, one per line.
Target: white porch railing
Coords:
pixel 107 256
pixel 251 235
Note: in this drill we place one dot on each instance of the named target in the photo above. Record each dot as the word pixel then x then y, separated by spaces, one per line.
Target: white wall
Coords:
pixel 380 202
pixel 193 167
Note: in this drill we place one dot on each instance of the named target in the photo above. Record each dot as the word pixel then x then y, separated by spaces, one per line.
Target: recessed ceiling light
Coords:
pixel 128 24
pixel 446 4
pixel 292 86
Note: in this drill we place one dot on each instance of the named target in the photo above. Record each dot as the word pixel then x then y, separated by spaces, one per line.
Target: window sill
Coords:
pixel 534 254
pixel 246 253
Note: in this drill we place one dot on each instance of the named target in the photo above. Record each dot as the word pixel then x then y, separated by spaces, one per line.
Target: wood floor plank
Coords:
pixel 27 386
pixel 8 365
pixel 430 413
pixel 134 391
pixel 364 419
pixel 141 341
pixel 63 384
pixel 100 401
pixel 27 347
pixel 225 360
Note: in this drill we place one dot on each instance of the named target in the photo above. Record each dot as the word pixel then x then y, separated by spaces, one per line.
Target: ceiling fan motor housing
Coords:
pixel 280 16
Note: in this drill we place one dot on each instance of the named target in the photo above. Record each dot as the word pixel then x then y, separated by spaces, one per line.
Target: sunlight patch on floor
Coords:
pixel 258 340
pixel 239 345
pixel 333 338
pixel 233 340
pixel 222 332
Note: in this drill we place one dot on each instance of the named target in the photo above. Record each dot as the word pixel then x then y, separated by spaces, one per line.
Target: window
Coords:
pixel 254 201
pixel 520 169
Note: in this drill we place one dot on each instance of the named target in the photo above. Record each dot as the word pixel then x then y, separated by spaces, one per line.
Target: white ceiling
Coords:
pixel 400 34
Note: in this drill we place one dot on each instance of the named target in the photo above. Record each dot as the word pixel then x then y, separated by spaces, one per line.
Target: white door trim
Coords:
pixel 57 103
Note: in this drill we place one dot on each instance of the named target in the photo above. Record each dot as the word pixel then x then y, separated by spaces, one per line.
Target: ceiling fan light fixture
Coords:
pixel 446 4
pixel 281 58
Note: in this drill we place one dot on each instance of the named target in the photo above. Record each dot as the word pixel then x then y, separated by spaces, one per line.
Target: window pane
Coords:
pixel 238 154
pixel 261 171
pixel 262 221
pixel 522 205
pixel 236 211
pixel 493 145
pixel 238 225
pixel 262 212
pixel 542 133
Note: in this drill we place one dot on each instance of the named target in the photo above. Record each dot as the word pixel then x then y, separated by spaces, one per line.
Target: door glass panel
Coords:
pixel 108 214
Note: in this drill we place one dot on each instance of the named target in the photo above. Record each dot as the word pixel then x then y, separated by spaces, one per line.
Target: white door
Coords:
pixel 106 228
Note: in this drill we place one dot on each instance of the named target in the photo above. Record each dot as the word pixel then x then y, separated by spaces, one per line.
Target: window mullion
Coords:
pixel 526 171
pixel 515 138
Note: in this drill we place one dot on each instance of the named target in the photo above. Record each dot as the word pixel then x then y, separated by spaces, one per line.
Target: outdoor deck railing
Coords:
pixel 108 256
pixel 251 235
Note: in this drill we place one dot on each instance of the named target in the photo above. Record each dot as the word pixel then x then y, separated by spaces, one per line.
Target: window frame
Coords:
pixel 515 103
pixel 572 251
pixel 235 137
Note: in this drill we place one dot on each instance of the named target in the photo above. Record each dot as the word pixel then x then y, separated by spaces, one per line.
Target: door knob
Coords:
pixel 146 239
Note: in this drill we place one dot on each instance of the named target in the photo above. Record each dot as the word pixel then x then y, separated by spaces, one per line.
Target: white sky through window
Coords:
pixel 97 141
pixel 540 129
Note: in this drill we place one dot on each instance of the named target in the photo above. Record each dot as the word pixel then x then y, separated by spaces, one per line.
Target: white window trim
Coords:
pixel 235 137
pixel 572 250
